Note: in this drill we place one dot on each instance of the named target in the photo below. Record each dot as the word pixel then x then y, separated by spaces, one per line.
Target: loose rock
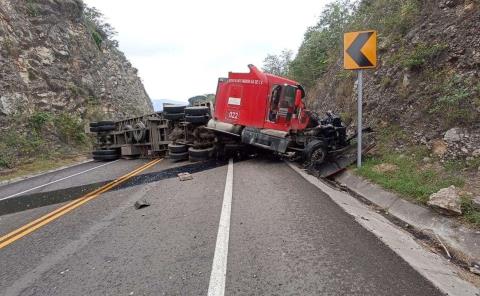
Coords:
pixel 446 201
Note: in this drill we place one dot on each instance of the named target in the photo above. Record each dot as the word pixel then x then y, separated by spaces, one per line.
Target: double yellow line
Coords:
pixel 42 221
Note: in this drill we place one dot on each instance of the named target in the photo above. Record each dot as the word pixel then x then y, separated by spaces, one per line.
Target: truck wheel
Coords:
pixel 200 154
pixel 93 124
pixel 197 111
pixel 94 129
pixel 105 157
pixel 139 132
pixel 203 119
pixel 105 122
pixel 105 152
pixel 177 148
pixel 105 128
pixel 173 116
pixel 178 156
pixel 173 109
pixel 317 155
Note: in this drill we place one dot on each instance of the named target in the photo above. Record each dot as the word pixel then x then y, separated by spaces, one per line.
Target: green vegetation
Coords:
pixel 422 54
pixel 100 30
pixel 32 139
pixel 470 214
pixel 322 47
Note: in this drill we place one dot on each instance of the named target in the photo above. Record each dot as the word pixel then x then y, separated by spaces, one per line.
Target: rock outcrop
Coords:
pixel 50 61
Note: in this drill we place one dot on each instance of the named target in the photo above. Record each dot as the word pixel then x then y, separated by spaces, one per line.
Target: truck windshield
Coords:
pixel 290 96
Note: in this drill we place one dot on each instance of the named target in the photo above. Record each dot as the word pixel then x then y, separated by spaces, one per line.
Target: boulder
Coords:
pixel 446 201
pixel 453 135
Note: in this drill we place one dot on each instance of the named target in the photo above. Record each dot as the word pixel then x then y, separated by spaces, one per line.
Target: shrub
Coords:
pixel 422 54
pixel 70 129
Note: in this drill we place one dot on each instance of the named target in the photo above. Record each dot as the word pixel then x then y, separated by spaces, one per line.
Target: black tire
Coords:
pixel 174 116
pixel 94 129
pixel 105 128
pixel 203 119
pixel 177 148
pixel 317 155
pixel 93 124
pixel 200 153
pixel 105 152
pixel 173 109
pixel 178 156
pixel 105 122
pixel 106 157
pixel 197 111
pixel 139 133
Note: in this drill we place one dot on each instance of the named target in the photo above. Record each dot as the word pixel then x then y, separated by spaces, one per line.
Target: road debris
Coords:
pixel 185 176
pixel 141 203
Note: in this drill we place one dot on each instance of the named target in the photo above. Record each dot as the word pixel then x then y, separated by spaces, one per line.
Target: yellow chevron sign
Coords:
pixel 360 50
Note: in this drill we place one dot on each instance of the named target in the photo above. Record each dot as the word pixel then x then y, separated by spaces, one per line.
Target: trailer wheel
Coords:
pixel 105 122
pixel 93 124
pixel 94 129
pixel 105 152
pixel 105 128
pixel 139 132
pixel 197 111
pixel 178 156
pixel 105 157
pixel 200 154
pixel 177 148
pixel 173 109
pixel 197 119
pixel 173 116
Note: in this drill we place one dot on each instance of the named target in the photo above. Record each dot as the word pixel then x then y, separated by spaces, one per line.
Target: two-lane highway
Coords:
pixel 277 235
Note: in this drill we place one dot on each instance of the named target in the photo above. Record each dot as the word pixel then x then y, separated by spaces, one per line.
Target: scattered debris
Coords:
pixel 185 176
pixel 385 168
pixel 141 203
pixel 446 201
pixel 443 246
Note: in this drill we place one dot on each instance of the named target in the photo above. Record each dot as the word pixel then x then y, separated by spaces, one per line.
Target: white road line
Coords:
pixel 216 287
pixel 433 267
pixel 56 181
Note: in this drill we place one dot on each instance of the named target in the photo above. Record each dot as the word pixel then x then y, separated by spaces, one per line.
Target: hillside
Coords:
pixel 59 69
pixel 424 98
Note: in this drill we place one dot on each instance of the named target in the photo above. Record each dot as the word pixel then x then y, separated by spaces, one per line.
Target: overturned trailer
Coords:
pixel 253 109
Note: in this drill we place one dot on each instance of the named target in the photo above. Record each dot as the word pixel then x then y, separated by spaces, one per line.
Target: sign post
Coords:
pixel 360 52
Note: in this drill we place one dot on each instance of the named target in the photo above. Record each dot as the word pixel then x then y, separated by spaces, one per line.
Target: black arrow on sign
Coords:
pixel 355 50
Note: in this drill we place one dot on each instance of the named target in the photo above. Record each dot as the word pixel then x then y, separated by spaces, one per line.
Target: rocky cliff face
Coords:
pixel 50 61
pixel 427 82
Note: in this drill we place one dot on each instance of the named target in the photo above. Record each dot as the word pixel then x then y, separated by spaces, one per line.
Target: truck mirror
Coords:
pixel 298 98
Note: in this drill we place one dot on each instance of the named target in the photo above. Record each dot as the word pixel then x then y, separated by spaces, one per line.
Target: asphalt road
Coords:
pixel 287 237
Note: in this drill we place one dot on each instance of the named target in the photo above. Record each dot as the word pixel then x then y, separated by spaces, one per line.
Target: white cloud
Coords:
pixel 182 47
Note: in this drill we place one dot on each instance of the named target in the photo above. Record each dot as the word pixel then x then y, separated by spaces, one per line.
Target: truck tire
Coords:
pixel 105 128
pixel 200 154
pixel 139 132
pixel 94 129
pixel 197 111
pixel 93 124
pixel 105 122
pixel 178 156
pixel 203 119
pixel 105 157
pixel 105 152
pixel 173 109
pixel 177 148
pixel 174 116
pixel 316 154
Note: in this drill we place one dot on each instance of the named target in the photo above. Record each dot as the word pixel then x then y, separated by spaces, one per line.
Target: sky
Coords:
pixel 182 47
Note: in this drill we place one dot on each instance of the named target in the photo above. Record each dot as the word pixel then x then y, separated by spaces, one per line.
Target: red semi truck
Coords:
pixel 253 109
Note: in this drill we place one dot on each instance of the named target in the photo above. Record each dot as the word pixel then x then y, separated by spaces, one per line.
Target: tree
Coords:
pixel 278 64
pixel 98 27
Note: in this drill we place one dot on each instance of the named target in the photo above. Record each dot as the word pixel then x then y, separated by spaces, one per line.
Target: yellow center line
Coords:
pixel 42 221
